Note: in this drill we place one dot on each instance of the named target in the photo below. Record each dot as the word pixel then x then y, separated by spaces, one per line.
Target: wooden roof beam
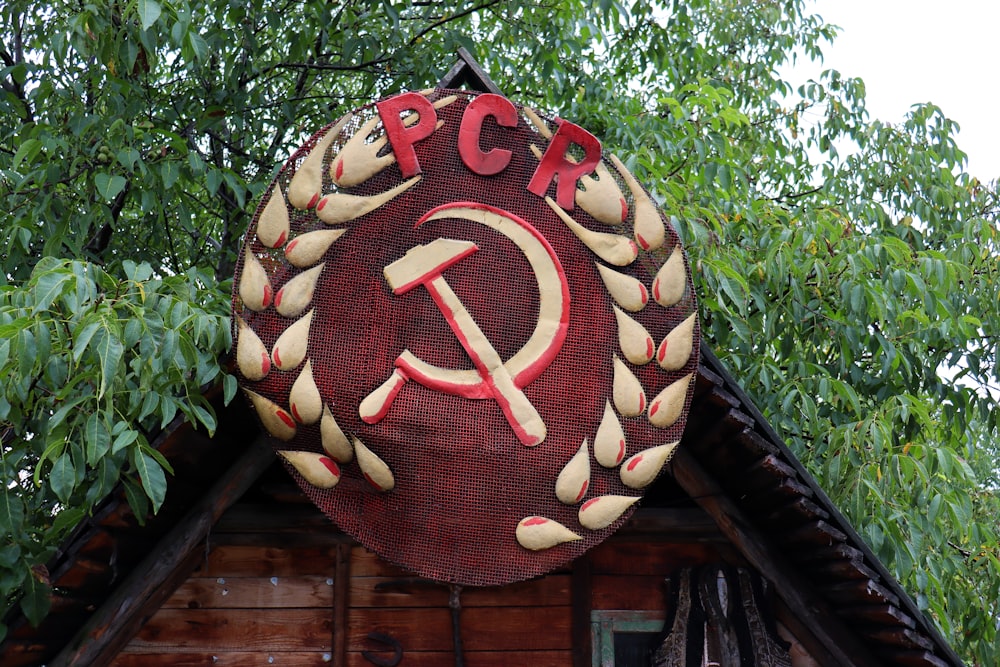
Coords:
pixel 828 640
pixel 467 72
pixel 125 611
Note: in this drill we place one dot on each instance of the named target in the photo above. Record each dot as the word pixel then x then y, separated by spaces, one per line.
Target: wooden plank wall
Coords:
pixel 527 623
pixel 247 606
pixel 267 593
pixel 252 605
pixel 629 574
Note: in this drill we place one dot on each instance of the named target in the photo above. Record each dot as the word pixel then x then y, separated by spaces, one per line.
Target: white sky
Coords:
pixel 910 51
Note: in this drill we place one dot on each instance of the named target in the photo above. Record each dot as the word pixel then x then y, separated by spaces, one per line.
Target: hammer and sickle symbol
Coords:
pixel 492 377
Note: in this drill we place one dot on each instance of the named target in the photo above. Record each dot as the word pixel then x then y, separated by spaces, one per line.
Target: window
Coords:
pixel 625 638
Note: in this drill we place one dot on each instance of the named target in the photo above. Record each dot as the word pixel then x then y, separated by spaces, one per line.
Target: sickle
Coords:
pixel 553 305
pixel 492 377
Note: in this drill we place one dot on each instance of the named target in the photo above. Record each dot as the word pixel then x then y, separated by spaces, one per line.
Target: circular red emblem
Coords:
pixel 471 334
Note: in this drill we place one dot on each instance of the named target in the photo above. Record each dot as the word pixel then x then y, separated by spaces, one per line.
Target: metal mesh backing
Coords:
pixel 463 481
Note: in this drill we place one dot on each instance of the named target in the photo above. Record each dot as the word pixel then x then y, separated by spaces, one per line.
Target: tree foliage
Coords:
pixel 847 267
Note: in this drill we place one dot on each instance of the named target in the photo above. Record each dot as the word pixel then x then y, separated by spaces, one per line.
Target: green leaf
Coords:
pixel 9 555
pixel 11 329
pixel 149 11
pixel 137 500
pixel 11 510
pixel 198 45
pixel 83 334
pixel 110 351
pixel 97 438
pixel 26 152
pixel 205 417
pixel 109 185
pixel 48 287
pixel 59 416
pixel 169 171
pixel 68 519
pixel 28 349
pixel 229 388
pixel 62 477
pixel 154 482
pixel 37 598
pixel 123 439
pixel 213 179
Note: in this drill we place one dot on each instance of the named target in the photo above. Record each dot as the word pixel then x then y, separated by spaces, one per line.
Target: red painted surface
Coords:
pixel 285 417
pixel 588 504
pixel 400 380
pixel 330 465
pixel 402 137
pixel 463 479
pixel 533 371
pixel 485 163
pixel 555 163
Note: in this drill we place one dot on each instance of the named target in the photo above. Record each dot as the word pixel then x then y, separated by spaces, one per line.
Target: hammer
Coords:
pixel 425 265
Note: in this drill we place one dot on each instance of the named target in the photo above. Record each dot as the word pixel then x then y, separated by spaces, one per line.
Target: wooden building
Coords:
pixel 239 568
pixel 735 557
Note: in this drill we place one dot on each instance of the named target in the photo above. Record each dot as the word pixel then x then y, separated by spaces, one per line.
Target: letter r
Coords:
pixel 555 161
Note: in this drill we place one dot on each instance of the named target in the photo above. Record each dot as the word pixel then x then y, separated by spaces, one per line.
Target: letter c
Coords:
pixel 485 163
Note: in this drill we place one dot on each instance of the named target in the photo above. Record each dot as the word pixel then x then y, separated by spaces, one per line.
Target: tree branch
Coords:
pixel 448 19
pixel 100 241
pixel 10 84
pixel 795 195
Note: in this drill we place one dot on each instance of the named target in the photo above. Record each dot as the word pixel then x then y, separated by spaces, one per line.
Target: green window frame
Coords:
pixel 605 624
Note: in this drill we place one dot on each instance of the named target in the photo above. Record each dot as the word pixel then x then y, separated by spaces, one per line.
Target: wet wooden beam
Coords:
pixel 581 595
pixel 829 641
pixel 115 622
pixel 468 73
pixel 341 603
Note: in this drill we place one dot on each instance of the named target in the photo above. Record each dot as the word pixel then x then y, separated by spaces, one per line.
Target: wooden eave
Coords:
pixel 110 573
pixel 736 467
